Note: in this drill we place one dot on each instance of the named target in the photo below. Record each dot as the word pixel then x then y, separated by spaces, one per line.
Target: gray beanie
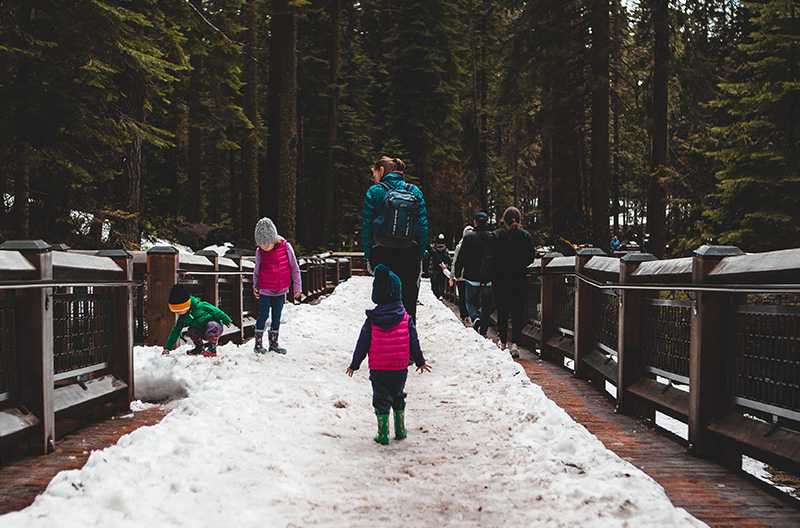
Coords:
pixel 266 232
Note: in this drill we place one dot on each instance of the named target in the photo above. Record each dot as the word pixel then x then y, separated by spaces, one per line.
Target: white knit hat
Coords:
pixel 266 233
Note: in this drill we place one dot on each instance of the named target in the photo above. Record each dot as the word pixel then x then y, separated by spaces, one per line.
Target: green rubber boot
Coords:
pixel 400 425
pixel 383 429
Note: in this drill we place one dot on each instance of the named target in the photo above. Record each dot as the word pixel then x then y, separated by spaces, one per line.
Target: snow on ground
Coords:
pixel 262 441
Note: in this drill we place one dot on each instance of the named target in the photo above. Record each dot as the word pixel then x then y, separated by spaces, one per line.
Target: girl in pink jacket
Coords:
pixel 276 272
pixel 388 338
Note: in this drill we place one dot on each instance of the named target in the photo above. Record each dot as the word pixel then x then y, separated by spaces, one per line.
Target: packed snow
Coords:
pixel 287 441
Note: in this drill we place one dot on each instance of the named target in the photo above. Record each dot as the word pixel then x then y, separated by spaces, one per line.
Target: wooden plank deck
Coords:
pixel 22 480
pixel 712 493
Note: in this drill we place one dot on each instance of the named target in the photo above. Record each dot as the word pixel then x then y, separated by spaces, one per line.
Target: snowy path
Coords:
pixel 259 442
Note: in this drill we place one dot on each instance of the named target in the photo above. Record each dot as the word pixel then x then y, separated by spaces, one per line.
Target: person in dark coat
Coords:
pixel 471 264
pixel 457 281
pixel 439 260
pixel 513 251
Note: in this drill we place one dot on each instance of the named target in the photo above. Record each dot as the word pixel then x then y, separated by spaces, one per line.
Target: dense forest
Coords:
pixel 672 120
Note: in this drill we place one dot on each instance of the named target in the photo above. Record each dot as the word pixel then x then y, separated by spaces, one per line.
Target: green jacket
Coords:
pixel 373 208
pixel 199 315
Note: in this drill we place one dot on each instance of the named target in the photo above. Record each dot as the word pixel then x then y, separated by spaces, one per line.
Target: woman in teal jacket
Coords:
pixel 405 262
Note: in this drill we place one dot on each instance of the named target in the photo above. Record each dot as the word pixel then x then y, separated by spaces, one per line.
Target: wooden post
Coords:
pixel 548 302
pixel 162 274
pixel 584 295
pixel 35 322
pixel 211 281
pixel 708 396
pixel 629 354
pixel 121 359
pixel 238 301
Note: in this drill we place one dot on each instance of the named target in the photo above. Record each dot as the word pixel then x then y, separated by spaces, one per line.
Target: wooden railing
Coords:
pixel 66 321
pixel 69 320
pixel 712 340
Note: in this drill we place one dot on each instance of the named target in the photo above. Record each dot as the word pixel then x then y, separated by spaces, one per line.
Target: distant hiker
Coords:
pixel 388 339
pixel 615 243
pixel 472 262
pixel 275 272
pixel 395 227
pixel 426 262
pixel 458 282
pixel 440 261
pixel 204 321
pixel 513 250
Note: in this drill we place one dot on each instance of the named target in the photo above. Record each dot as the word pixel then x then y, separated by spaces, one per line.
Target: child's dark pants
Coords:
pixel 387 390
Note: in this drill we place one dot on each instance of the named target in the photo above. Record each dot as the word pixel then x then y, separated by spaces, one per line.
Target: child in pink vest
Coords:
pixel 275 272
pixel 388 338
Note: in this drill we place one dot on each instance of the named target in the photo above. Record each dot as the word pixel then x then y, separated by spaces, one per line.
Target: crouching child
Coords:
pixel 204 321
pixel 388 338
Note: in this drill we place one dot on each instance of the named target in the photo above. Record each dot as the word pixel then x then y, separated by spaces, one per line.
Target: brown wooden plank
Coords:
pixel 666 398
pixel 600 363
pixel 563 344
pixel 778 446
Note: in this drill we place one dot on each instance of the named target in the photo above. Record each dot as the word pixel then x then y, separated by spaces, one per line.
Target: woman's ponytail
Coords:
pixel 390 164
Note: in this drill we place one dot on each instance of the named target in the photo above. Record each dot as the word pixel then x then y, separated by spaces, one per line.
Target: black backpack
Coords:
pixel 397 226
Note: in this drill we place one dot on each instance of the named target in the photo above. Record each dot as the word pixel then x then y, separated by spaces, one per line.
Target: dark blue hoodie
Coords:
pixel 385 316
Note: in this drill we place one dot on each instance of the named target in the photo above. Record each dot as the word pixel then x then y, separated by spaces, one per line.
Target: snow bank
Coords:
pixel 221 249
pixel 147 243
pixel 157 378
pixel 286 441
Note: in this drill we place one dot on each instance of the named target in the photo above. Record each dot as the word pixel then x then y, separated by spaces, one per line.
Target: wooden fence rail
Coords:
pixel 712 340
pixel 69 320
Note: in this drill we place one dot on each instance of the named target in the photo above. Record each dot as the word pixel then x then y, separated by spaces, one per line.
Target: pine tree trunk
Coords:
pixel 235 205
pixel 282 155
pixel 194 198
pixel 330 223
pixel 269 185
pixel 600 104
pixel 616 63
pixel 655 197
pixel 194 203
pixel 3 192
pixel 22 193
pixel 249 180
pixel 128 230
pixel 481 90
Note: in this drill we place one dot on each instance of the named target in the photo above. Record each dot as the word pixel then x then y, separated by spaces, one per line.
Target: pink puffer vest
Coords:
pixel 390 348
pixel 275 274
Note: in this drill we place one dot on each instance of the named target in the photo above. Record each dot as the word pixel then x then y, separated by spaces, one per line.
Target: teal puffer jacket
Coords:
pixel 373 208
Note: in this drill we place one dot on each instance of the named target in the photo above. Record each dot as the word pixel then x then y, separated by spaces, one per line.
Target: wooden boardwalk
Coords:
pixel 712 493
pixel 21 481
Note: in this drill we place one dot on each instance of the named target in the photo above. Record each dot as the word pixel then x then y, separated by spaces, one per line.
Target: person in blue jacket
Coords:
pixel 402 256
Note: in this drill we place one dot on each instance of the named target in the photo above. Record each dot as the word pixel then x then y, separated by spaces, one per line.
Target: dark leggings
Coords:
pixel 509 297
pixel 405 263
pixel 462 300
pixel 388 390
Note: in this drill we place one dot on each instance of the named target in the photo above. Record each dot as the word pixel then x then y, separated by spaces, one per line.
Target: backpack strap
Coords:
pixel 386 186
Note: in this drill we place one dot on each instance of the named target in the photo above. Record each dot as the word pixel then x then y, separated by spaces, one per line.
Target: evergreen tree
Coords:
pixel 759 145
